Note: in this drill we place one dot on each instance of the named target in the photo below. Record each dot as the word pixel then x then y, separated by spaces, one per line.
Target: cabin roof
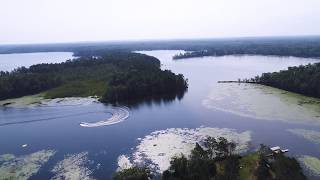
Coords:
pixel 276 148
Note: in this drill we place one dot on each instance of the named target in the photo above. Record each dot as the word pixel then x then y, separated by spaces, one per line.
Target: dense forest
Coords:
pixel 275 47
pixel 113 76
pixel 304 46
pixel 302 79
pixel 216 159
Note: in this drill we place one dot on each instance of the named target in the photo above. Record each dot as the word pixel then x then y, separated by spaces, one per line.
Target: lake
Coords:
pixel 10 61
pixel 44 141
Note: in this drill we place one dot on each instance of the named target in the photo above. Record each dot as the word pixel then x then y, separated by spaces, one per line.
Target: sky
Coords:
pixel 51 21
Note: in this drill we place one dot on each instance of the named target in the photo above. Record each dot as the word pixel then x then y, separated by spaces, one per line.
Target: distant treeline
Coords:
pixel 113 76
pixel 302 79
pixel 308 46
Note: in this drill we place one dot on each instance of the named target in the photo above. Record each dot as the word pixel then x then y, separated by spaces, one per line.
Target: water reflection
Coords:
pixel 155 100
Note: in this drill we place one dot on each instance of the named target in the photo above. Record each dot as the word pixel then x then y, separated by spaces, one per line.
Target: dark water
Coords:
pixel 59 129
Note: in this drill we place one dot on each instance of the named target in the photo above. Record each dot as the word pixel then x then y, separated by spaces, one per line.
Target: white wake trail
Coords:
pixel 119 114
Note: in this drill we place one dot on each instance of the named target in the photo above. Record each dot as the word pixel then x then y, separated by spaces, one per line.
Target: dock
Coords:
pixel 278 150
pixel 236 82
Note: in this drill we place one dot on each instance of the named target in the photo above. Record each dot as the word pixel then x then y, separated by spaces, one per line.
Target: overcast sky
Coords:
pixel 42 21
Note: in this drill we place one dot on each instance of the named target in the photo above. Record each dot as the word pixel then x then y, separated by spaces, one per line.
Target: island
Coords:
pixel 113 76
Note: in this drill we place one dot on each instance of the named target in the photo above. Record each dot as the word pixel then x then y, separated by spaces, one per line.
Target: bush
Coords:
pixel 134 173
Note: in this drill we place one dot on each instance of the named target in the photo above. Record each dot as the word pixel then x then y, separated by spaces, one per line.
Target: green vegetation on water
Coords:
pixel 112 76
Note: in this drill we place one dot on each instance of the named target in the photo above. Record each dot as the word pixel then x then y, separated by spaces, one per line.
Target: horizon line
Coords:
pixel 159 40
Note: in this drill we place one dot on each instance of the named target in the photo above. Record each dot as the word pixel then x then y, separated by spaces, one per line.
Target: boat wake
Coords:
pixel 119 114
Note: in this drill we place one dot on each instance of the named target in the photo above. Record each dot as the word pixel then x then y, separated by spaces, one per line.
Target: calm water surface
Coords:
pixel 61 131
pixel 10 61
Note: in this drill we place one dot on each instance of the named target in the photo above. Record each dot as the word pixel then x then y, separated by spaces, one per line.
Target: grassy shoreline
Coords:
pixel 23 101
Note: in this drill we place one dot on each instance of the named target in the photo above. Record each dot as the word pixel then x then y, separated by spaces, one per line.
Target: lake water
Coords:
pixel 10 61
pixel 55 142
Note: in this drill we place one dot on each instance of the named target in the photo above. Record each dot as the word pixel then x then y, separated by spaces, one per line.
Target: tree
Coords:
pixel 287 168
pixel 220 148
pixel 134 173
pixel 302 79
pixel 116 77
pixel 197 166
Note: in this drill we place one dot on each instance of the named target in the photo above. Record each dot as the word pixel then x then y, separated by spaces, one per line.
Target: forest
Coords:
pixel 216 159
pixel 303 46
pixel 297 47
pixel 302 79
pixel 113 76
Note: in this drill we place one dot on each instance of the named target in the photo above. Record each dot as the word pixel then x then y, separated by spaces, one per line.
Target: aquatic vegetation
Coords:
pixel 312 164
pixel 38 100
pixel 73 167
pixel 69 101
pixel 22 101
pixel 23 167
pixel 124 163
pixel 156 149
pixel 119 114
pixel 263 102
pixel 310 135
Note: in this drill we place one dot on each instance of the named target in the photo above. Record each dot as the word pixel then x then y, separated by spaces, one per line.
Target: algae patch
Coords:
pixel 73 167
pixel 23 167
pixel 156 149
pixel 38 100
pixel 263 102
pixel 23 101
pixel 310 135
pixel 312 164
pixel 124 163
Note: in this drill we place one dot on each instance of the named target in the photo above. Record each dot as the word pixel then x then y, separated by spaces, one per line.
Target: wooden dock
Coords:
pixel 236 82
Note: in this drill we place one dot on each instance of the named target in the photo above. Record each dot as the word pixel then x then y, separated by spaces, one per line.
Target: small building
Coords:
pixel 278 150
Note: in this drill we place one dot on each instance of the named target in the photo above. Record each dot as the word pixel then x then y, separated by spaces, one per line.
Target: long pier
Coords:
pixel 236 82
